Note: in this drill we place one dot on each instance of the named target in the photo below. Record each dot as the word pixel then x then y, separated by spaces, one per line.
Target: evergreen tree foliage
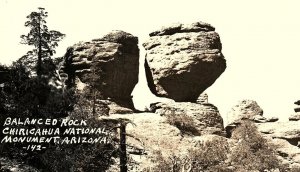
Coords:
pixel 43 40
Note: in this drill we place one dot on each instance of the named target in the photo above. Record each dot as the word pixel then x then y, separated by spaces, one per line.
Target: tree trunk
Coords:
pixel 39 62
pixel 123 156
pixel 94 101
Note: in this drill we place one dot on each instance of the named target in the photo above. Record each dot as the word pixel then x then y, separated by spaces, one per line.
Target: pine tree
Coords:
pixel 42 39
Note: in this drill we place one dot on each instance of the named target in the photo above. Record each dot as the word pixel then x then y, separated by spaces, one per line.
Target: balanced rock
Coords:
pixel 205 118
pixel 111 64
pixel 183 60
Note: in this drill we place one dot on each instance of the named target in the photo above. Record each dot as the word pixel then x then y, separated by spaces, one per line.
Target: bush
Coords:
pixel 209 156
pixel 83 157
pixel 251 153
pixel 79 158
pixel 21 101
pixel 184 123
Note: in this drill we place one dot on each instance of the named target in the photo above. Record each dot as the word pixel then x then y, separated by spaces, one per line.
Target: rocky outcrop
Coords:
pixel 206 117
pixel 289 131
pixel 245 110
pixel 295 117
pixel 110 64
pixel 297 109
pixel 152 134
pixel 288 154
pixel 183 60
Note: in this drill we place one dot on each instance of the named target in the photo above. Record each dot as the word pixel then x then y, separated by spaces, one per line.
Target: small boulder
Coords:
pixel 245 109
pixel 295 117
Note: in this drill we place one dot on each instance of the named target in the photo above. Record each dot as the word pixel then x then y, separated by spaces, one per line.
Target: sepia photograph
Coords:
pixel 149 86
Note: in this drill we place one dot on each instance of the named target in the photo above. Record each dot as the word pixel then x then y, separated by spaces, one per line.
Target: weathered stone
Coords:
pixel 110 63
pixel 245 109
pixel 203 98
pixel 183 60
pixel 262 119
pixel 297 109
pixel 289 130
pixel 272 119
pixel 116 109
pixel 288 152
pixel 152 134
pixel 206 117
pixel 295 117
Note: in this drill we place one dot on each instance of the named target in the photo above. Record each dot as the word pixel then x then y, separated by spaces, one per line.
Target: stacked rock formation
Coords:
pixel 297 109
pixel 183 60
pixel 110 63
pixel 245 110
pixel 296 116
pixel 283 135
pixel 203 98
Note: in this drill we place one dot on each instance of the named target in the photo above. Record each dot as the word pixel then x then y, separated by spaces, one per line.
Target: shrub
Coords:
pixel 83 157
pixel 209 156
pixel 253 152
pixel 184 123
pixel 56 158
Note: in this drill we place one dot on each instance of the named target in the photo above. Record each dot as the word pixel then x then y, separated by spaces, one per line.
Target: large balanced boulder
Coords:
pixel 183 60
pixel 111 64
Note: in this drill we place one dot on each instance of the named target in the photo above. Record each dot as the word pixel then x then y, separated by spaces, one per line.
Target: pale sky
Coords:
pixel 260 39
